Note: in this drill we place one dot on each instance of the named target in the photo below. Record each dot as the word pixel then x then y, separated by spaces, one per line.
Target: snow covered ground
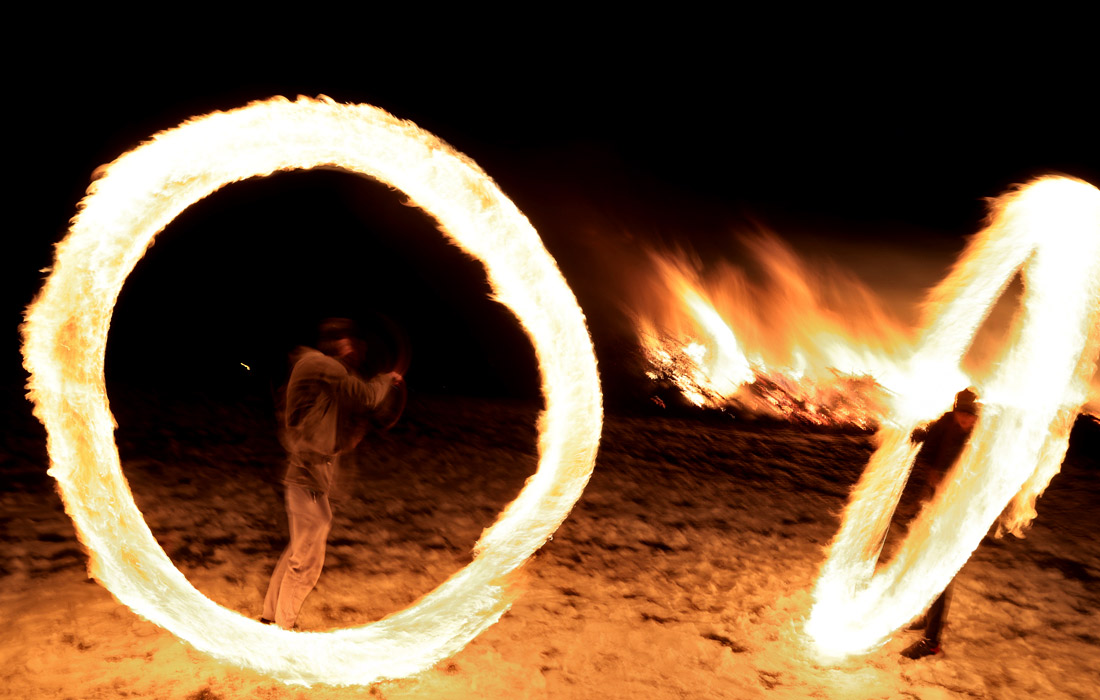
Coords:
pixel 683 572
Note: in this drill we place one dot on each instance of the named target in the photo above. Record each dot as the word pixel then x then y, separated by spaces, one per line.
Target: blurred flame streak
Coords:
pixel 1049 230
pixel 64 344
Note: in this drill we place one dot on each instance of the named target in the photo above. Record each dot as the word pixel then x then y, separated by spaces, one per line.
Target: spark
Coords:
pixel 65 337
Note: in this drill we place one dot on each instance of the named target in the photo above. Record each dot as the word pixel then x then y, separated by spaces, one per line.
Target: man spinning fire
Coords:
pixel 327 408
pixel 942 443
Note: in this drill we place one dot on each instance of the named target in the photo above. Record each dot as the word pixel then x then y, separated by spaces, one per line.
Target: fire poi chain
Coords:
pixel 65 339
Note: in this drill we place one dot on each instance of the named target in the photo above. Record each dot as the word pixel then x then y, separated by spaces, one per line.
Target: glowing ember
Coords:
pixel 1049 231
pixel 65 337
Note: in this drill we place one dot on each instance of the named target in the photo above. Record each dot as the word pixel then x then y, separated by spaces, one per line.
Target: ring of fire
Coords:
pixel 65 338
pixel 1049 232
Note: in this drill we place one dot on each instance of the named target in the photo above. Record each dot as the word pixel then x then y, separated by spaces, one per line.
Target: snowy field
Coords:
pixel 684 571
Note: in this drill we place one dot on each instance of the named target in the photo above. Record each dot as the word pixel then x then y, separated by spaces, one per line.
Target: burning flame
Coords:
pixel 1049 231
pixel 65 337
pixel 787 332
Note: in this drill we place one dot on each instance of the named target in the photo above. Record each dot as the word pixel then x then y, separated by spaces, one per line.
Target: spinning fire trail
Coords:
pixel 65 339
pixel 1049 231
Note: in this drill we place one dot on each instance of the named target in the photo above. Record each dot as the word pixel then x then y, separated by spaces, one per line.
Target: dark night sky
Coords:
pixel 835 153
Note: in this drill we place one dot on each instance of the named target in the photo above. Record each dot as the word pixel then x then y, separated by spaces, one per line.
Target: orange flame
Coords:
pixel 800 345
pixel 65 335
pixel 1049 231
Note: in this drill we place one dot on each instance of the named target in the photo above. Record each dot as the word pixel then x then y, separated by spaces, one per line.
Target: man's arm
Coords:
pixel 929 432
pixel 367 393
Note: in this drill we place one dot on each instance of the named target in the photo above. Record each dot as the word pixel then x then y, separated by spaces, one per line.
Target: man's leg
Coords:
pixel 310 519
pixel 936 616
pixel 929 644
pixel 271 601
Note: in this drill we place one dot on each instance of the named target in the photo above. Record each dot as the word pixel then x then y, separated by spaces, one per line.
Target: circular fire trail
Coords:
pixel 65 337
pixel 1049 232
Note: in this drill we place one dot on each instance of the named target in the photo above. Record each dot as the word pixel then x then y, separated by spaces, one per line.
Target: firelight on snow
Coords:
pixel 65 337
pixel 1049 232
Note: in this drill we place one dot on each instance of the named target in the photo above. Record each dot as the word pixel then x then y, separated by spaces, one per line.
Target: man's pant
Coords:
pixel 300 565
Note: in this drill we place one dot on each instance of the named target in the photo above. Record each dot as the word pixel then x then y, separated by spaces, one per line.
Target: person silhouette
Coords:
pixel 941 444
pixel 327 404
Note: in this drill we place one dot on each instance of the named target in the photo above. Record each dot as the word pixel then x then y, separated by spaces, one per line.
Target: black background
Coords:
pixel 857 152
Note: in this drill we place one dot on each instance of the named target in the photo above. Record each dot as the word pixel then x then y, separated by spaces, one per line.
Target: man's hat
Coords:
pixel 966 401
pixel 332 329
